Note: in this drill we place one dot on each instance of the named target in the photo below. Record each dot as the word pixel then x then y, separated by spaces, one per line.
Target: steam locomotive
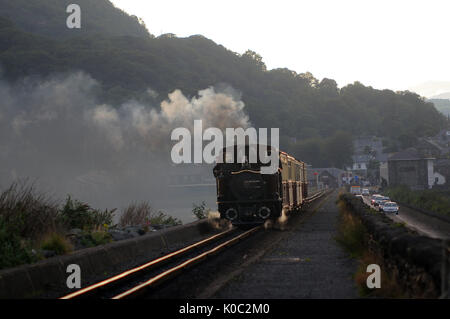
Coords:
pixel 246 197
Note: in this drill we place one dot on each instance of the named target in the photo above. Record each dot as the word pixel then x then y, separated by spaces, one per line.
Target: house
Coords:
pixel 360 164
pixel 412 169
pixel 368 150
pixel 438 145
pixel 428 147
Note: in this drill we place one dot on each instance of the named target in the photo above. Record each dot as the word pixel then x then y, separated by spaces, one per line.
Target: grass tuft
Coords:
pixel 57 243
pixel 354 237
pixel 142 214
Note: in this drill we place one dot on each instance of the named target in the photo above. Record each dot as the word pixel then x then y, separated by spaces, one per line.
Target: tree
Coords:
pixel 328 87
pixel 339 149
pixel 254 58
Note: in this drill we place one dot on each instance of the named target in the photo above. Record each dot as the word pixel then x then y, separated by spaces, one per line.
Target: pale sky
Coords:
pixel 395 44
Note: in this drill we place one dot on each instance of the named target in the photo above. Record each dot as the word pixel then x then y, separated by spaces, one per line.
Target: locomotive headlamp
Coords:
pixel 264 212
pixel 231 214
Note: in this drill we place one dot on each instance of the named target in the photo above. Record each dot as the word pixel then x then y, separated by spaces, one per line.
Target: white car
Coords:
pixel 381 200
pixel 374 198
pixel 389 207
pixel 365 192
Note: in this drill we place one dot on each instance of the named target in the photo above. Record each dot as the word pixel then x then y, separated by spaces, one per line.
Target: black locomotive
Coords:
pixel 245 196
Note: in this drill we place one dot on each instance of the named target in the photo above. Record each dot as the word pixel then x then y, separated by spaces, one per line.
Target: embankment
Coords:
pixel 47 278
pixel 414 261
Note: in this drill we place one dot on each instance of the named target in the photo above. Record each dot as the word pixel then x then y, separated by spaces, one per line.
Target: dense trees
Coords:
pixel 334 151
pixel 49 18
pixel 317 120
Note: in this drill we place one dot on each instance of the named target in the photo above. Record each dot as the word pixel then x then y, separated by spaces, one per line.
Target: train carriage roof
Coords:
pixel 284 157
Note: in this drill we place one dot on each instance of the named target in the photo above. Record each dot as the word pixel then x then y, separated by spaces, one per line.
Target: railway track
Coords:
pixel 315 196
pixel 143 278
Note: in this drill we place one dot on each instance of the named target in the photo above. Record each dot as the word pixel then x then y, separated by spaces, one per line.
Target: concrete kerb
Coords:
pixel 37 280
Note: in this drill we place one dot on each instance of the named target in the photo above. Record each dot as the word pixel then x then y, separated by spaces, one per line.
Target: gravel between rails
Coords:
pixel 307 263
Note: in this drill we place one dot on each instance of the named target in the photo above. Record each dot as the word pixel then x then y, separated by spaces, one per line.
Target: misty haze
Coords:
pixel 67 143
pixel 98 201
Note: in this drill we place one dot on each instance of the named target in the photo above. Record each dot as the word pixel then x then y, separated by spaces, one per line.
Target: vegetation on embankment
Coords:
pixel 433 200
pixel 354 237
pixel 33 226
pixel 410 264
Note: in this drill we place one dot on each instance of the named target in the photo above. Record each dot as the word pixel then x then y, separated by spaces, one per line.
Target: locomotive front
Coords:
pixel 244 195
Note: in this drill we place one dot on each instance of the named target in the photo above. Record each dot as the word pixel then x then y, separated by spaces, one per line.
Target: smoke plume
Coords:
pixel 56 132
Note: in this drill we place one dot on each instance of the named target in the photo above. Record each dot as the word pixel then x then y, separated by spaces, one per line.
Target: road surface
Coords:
pixel 423 224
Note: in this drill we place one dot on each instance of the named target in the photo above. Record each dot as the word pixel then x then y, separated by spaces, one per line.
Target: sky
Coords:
pixel 393 44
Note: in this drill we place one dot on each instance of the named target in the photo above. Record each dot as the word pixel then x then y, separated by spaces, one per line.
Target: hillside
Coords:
pixel 442 96
pixel 316 119
pixel 442 105
pixel 49 18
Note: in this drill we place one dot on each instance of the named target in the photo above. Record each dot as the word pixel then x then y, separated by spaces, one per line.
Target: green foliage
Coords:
pixel 28 213
pixel 334 151
pixel 48 17
pixel 437 201
pixel 96 238
pixel 200 211
pixel 142 214
pixel 398 225
pixel 14 250
pixel 57 243
pixel 352 234
pixel 160 218
pixel 101 237
pixel 75 214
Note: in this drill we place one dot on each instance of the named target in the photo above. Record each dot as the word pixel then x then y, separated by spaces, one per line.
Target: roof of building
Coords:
pixel 410 154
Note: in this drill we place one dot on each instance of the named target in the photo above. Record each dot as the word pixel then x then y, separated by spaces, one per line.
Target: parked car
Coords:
pixel 365 192
pixel 374 198
pixel 381 199
pixel 389 207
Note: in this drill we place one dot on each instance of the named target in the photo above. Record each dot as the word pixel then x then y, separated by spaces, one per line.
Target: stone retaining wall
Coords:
pixel 415 260
pixel 47 278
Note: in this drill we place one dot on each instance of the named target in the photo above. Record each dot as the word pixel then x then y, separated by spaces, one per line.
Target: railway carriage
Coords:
pixel 245 196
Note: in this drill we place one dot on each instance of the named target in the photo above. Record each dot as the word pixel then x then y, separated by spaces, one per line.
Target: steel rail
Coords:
pixel 176 269
pixel 145 267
